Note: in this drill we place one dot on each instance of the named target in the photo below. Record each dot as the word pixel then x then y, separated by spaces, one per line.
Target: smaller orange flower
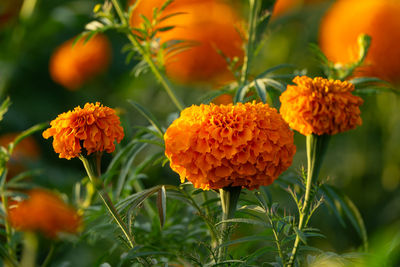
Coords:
pixel 320 106
pixel 71 65
pixel 94 127
pixel 45 212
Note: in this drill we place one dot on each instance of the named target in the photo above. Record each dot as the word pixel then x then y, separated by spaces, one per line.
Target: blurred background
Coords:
pixel 363 163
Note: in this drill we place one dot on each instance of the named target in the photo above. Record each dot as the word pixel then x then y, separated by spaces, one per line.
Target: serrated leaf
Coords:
pixel 274 84
pixel 162 205
pixel 137 199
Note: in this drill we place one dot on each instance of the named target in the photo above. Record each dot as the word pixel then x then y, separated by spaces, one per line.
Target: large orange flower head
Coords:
pixel 320 106
pixel 380 19
pixel 208 26
pixel 216 146
pixel 45 212
pixel 94 127
pixel 71 65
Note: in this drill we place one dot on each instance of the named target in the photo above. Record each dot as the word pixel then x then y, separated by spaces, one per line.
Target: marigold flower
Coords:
pixel 208 25
pixel 320 106
pixel 71 65
pixel 380 19
pixel 45 212
pixel 213 146
pixel 94 127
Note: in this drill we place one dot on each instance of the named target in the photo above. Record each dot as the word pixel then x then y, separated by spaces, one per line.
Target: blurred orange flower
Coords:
pixel 25 151
pixel 320 106
pixel 95 127
pixel 71 65
pixel 45 212
pixel 380 19
pixel 209 26
pixel 213 146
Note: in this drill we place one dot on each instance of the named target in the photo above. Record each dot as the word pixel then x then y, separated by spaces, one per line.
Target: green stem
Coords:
pixel 49 255
pixel 316 148
pixel 253 10
pixel 148 58
pixel 229 197
pixel 90 169
pixel 276 237
pixel 4 201
pixel 30 250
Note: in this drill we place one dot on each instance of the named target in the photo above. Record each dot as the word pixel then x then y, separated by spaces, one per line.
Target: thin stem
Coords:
pixel 276 237
pixel 4 201
pixel 156 71
pixel 49 255
pixel 253 10
pixel 316 148
pixel 106 199
pixel 229 197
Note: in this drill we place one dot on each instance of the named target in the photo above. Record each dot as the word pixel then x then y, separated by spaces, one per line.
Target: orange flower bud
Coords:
pixel 71 65
pixel 208 25
pixel 45 212
pixel 380 19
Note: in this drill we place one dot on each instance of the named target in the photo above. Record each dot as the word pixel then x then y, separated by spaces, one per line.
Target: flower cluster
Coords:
pixel 94 127
pixel 72 64
pixel 213 146
pixel 45 212
pixel 320 106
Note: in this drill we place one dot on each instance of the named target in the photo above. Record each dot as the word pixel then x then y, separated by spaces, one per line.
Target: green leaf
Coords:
pixel 162 205
pixel 275 68
pixel 240 94
pixel 26 133
pixel 243 220
pixel 150 117
pixel 261 90
pixel 246 239
pixel 274 84
pixel 350 210
pixel 127 167
pixel 301 235
pixel 4 107
pixel 137 199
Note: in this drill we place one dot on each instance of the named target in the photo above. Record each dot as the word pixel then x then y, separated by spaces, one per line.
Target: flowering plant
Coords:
pixel 170 175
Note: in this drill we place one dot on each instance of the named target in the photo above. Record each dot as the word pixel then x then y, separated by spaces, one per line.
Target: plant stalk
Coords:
pixel 156 71
pixel 90 170
pixel 30 250
pixel 229 197
pixel 316 148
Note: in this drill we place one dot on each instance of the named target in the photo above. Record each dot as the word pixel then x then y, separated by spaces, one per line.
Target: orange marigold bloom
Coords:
pixel 71 65
pixel 320 106
pixel 380 19
pixel 215 146
pixel 95 127
pixel 45 212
